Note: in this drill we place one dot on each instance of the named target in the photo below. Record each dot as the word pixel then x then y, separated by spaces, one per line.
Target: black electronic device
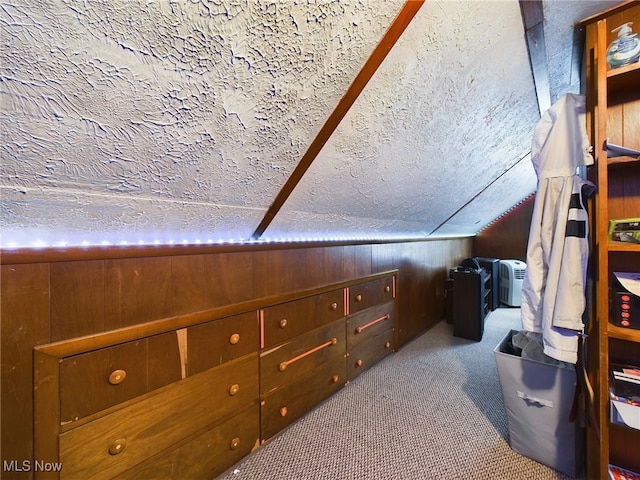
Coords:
pixel 626 308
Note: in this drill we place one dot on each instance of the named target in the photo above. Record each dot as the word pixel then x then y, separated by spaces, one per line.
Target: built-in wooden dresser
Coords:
pixel 370 324
pixel 188 397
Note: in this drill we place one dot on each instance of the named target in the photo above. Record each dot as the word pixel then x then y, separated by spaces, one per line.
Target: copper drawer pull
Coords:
pixel 117 377
pixel 358 298
pixel 235 443
pixel 283 323
pixel 117 446
pixel 284 365
pixel 234 389
pixel 283 412
pixel 360 329
pixel 234 339
pixel 334 306
pixel 387 289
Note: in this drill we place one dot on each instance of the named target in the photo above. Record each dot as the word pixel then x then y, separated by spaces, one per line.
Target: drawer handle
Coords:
pixel 358 298
pixel 234 339
pixel 334 306
pixel 283 323
pixel 235 443
pixel 284 365
pixel 117 446
pixel 117 377
pixel 387 289
pixel 283 412
pixel 358 363
pixel 234 389
pixel 387 345
pixel 335 379
pixel 373 322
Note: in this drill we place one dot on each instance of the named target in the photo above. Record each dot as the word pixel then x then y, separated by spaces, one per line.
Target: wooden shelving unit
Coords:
pixel 613 99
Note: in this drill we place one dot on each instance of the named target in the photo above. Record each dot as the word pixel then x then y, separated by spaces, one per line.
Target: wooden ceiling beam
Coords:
pixel 533 20
pixel 385 45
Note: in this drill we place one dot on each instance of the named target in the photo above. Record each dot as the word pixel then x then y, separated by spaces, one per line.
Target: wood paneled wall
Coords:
pixel 49 296
pixel 508 236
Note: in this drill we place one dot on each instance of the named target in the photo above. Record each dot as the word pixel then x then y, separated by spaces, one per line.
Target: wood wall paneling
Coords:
pixel 89 295
pixel 24 313
pixel 508 236
pixel 357 261
pixel 77 299
pixel 137 290
pixel 202 282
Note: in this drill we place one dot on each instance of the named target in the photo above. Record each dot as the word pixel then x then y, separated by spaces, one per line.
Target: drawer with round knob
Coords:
pixel 213 343
pixel 93 381
pixel 287 320
pixel 209 454
pixel 368 294
pixel 369 352
pixel 287 404
pixel 120 440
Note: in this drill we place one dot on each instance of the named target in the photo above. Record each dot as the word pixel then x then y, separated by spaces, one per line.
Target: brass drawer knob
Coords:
pixel 334 306
pixel 117 377
pixel 235 443
pixel 335 379
pixel 283 323
pixel 117 446
pixel 358 298
pixel 283 366
pixel 358 363
pixel 234 339
pixel 387 345
pixel 234 389
pixel 283 411
pixel 387 289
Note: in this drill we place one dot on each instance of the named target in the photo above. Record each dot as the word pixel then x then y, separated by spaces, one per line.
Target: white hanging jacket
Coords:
pixel 553 291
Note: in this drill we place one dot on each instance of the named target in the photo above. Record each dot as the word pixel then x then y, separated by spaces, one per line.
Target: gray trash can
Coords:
pixel 538 398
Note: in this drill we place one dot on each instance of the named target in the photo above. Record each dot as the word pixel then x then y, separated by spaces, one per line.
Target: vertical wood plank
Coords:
pixel 334 264
pixel 201 282
pixel 77 299
pixel 24 296
pixel 137 290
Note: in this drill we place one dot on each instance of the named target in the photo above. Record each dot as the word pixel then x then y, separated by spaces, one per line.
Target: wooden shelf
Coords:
pixel 623 78
pixel 624 247
pixel 628 334
pixel 622 161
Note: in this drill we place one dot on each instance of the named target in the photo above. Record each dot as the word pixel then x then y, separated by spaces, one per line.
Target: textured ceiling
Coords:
pixel 165 121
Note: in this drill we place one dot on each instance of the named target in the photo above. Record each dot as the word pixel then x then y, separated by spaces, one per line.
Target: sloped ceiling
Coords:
pixel 133 121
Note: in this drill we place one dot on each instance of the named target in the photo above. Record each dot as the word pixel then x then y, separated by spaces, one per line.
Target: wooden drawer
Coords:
pixel 288 361
pixel 372 293
pixel 214 343
pixel 368 323
pixel 208 455
pixel 287 320
pixel 121 440
pixel 94 381
pixel 289 403
pixel 368 353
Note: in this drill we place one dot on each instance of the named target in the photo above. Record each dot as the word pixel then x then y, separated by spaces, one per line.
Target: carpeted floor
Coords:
pixel 433 410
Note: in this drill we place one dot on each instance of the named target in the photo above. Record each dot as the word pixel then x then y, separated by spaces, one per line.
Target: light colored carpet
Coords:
pixel 433 410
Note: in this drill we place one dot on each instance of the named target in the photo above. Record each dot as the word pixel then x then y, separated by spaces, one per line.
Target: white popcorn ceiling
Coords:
pixel 180 121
